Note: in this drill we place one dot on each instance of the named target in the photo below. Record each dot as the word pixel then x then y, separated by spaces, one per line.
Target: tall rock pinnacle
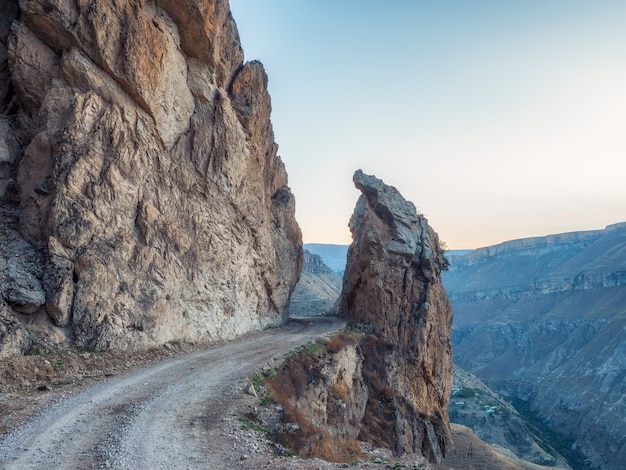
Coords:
pixel 138 165
pixel 392 285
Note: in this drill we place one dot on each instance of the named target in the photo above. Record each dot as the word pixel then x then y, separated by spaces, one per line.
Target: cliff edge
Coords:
pixel 142 196
pixel 387 379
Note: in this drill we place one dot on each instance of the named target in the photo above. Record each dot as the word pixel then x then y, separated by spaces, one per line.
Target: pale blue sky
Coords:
pixel 498 119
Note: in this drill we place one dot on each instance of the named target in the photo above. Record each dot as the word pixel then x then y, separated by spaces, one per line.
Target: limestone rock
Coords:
pixel 392 283
pixel 139 154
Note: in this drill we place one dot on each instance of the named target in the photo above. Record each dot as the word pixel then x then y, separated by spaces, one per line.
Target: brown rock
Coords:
pixel 148 173
pixel 389 380
pixel 392 284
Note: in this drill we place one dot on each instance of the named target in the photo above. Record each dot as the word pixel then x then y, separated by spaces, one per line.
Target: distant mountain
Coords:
pixel 333 255
pixel 543 321
pixel 318 288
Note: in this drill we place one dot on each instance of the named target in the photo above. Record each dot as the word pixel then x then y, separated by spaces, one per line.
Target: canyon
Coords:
pixel 542 321
pixel 143 203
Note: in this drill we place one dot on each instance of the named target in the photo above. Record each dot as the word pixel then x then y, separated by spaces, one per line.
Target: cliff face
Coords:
pixel 138 165
pixel 317 290
pixel 542 321
pixel 392 285
pixel 334 256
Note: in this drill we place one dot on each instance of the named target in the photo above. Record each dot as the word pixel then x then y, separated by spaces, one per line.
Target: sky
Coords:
pixel 498 119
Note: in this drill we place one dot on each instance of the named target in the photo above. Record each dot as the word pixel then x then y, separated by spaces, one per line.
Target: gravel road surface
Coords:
pixel 163 416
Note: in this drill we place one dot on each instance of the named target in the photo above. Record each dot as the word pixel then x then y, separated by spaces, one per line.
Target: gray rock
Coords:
pixel 14 339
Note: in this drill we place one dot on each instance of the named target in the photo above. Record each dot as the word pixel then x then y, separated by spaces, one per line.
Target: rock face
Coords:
pixel 388 379
pixel 543 322
pixel 317 290
pixel 334 256
pixel 392 286
pixel 137 159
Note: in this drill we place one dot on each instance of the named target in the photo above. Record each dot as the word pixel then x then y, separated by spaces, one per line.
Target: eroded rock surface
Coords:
pixel 389 381
pixel 137 152
pixel 393 283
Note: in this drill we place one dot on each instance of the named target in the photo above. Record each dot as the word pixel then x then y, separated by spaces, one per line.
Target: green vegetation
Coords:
pixel 58 363
pixel 312 348
pixel 260 378
pixel 248 424
pixel 444 249
pixel 174 342
pixel 549 440
pixel 267 400
pixel 354 327
pixel 465 392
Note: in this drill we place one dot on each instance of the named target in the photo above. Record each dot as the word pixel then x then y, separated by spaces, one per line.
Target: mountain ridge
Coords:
pixel 542 322
pixel 318 288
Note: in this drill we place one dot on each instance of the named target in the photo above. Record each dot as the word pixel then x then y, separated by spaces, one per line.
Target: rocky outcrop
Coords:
pixel 137 153
pixel 541 321
pixel 388 382
pixel 392 283
pixel 317 290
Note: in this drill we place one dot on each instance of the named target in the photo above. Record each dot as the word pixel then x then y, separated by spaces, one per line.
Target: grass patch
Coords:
pixel 355 327
pixel 249 424
pixel 260 378
pixel 312 348
pixel 58 363
pixel 465 392
pixel 267 400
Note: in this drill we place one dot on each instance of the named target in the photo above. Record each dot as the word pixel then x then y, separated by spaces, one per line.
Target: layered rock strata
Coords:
pixel 543 322
pixel 389 382
pixel 138 160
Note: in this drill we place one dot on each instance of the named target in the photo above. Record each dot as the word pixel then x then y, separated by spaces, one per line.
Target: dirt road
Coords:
pixel 160 417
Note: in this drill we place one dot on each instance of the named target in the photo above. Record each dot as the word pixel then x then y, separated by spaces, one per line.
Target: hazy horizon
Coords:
pixel 499 120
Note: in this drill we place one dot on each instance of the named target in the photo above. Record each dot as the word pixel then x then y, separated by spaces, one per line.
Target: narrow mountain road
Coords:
pixel 160 417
